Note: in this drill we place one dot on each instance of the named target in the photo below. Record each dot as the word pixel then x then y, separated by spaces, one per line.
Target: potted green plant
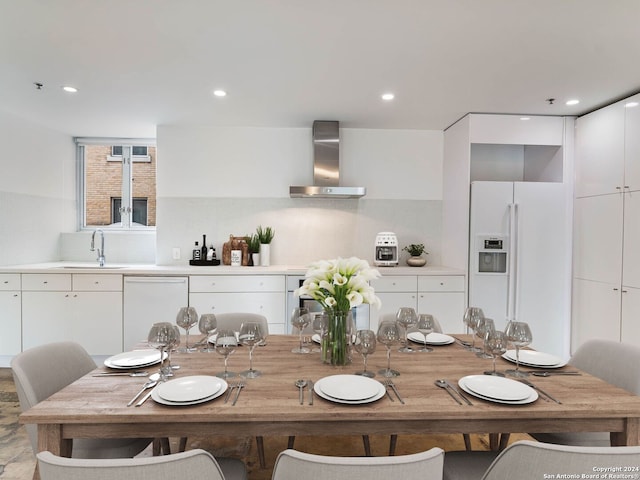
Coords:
pixel 265 236
pixel 253 242
pixel 415 251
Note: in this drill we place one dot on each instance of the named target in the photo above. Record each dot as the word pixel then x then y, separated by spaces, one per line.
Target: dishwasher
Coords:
pixel 148 300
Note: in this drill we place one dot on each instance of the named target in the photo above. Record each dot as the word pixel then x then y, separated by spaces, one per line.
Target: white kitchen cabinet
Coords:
pixel 85 308
pixel 262 294
pixel 442 296
pixel 600 151
pixel 596 311
pixel 10 317
pixel 512 130
pixel 631 245
pixel 632 143
pixel 630 322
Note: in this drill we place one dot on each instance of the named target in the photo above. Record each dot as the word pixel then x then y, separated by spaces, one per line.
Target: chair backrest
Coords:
pixel 191 465
pixel 234 321
pixel 616 363
pixel 526 460
pixel 41 371
pixel 294 465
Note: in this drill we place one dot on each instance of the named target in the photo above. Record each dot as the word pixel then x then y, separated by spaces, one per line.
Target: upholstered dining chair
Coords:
pixel 192 465
pixel 528 460
pixel 294 465
pixel 615 363
pixel 41 371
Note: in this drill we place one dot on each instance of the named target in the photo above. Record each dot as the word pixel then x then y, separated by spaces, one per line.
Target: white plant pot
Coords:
pixel 255 257
pixel 265 254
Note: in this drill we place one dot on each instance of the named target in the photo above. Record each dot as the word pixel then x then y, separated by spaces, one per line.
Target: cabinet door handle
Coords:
pixel 624 291
pixel 618 188
pixel 615 289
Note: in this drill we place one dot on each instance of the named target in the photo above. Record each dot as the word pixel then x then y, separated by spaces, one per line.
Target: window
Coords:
pixel 117 187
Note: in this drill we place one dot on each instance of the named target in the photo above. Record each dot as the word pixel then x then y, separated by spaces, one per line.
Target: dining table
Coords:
pixel 96 406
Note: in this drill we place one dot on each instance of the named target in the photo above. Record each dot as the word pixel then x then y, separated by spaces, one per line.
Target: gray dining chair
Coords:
pixel 528 460
pixel 615 363
pixel 41 371
pixel 192 465
pixel 294 465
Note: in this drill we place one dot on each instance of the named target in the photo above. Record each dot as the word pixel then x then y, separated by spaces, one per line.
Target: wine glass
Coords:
pixel 319 326
pixel 172 344
pixel 226 343
pixel 365 343
pixel 300 319
pixel 406 317
pixel 485 326
pixel 519 334
pixel 497 345
pixel 207 325
pixel 471 317
pixel 159 337
pixel 425 326
pixel 388 334
pixel 187 317
pixel 250 335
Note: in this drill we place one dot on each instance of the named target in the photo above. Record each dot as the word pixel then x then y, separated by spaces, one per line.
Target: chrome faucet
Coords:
pixel 101 257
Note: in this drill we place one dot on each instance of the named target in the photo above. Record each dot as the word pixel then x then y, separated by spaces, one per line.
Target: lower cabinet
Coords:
pixel 442 296
pixel 10 315
pixel 596 312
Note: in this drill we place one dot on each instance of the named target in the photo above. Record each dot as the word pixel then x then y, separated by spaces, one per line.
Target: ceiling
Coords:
pixel 284 63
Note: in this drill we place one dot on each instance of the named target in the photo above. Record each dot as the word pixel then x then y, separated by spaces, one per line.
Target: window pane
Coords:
pixel 144 188
pixel 116 150
pixel 140 151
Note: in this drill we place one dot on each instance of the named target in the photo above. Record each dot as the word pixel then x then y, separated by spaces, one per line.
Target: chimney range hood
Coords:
pixel 326 166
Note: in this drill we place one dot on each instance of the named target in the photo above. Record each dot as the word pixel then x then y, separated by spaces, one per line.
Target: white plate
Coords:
pixel 532 358
pixel 352 388
pixel 134 359
pixel 432 339
pixel 381 393
pixel 532 396
pixel 500 388
pixel 158 399
pixel 189 389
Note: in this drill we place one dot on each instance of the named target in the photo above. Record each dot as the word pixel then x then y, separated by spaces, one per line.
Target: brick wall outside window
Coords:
pixel 103 181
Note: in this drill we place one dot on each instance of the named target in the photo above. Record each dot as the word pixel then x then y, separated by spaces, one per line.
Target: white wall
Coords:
pixel 222 181
pixel 37 190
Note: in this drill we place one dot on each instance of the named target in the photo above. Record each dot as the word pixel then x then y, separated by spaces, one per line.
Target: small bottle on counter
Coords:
pixel 203 250
pixel 196 252
pixel 210 253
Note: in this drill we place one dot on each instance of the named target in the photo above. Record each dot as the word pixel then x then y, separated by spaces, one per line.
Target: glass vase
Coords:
pixel 336 345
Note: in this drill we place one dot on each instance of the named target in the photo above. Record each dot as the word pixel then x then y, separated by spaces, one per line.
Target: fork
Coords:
pixel 239 386
pixel 389 383
pixel 231 387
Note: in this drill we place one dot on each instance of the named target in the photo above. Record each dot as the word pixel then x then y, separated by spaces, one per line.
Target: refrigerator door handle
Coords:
pixel 513 261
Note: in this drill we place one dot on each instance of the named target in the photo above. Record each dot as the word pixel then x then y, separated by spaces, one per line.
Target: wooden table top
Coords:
pixel 269 405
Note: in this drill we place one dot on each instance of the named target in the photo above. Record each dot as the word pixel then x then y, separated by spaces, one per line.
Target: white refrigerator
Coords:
pixel 520 258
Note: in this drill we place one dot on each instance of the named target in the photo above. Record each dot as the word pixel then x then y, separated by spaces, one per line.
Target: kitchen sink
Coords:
pixel 93 266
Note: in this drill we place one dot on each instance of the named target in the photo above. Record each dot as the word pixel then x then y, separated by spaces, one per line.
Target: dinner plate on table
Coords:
pixel 350 389
pixel 196 385
pixel 532 358
pixel 433 338
pixel 498 389
pixel 134 359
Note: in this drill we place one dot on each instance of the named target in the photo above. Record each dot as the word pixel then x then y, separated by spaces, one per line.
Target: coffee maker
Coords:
pixel 386 254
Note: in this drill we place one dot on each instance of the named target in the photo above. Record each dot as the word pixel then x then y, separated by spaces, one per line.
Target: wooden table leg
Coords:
pixel 629 437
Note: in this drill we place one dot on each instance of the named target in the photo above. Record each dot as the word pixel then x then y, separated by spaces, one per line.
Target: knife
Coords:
pixel 535 387
pixel 239 387
pixel 467 401
pixel 145 398
pixel 545 373
pixel 310 382
pixel 395 390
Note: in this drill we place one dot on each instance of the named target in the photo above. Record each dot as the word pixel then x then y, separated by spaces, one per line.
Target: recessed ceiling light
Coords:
pixel 631 104
pixel 69 89
pixel 525 118
pixel 220 93
pixel 388 96
pixel 573 102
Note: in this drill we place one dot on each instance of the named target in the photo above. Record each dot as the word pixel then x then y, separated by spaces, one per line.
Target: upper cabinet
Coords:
pixel 632 143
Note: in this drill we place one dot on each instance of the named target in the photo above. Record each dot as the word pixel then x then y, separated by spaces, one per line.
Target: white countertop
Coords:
pixel 150 269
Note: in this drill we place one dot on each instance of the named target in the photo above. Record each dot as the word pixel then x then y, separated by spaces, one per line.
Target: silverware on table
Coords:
pixel 389 383
pixel 153 380
pixel 442 384
pixel 460 394
pixel 386 390
pixel 144 399
pixel 301 384
pixel 231 387
pixel 310 382
pixel 239 386
pixel 538 373
pixel 122 374
pixel 535 387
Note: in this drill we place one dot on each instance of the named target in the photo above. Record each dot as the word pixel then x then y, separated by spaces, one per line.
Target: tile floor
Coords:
pixel 17 460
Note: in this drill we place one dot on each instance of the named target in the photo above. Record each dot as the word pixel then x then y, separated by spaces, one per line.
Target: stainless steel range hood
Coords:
pixel 326 166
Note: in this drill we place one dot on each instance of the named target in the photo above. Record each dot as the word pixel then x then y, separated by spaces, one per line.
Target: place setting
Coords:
pixel 190 390
pixel 134 359
pixel 349 389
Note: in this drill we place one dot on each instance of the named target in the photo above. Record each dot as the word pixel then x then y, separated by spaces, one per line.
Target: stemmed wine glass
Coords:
pixel 300 319
pixel 174 342
pixel 406 317
pixel 388 334
pixel 160 336
pixel 226 343
pixel 425 326
pixel 497 345
pixel 187 317
pixel 319 326
pixel 519 334
pixel 472 316
pixel 365 344
pixel 251 335
pixel 484 328
pixel 207 324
